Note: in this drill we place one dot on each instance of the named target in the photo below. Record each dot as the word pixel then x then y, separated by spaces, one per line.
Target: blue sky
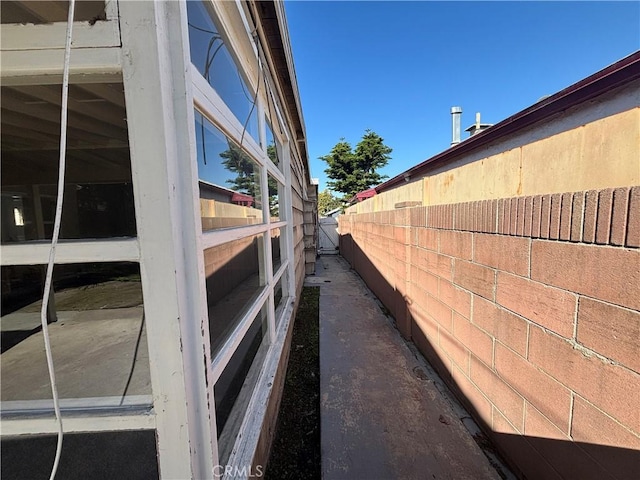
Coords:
pixel 397 67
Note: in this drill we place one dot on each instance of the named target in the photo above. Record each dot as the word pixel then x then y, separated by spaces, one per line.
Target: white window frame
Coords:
pixel 161 92
pixel 33 55
pixel 212 107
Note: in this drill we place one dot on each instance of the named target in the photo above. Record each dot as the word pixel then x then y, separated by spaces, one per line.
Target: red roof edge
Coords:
pixel 360 196
pixel 242 197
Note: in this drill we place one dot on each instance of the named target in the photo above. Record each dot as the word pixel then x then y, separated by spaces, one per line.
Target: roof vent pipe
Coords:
pixel 456 113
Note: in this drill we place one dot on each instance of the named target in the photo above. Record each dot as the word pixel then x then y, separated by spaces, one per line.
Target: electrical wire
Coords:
pixel 267 89
pixel 202 29
pixel 263 64
pixel 269 113
pixel 209 60
pixel 207 65
pixel 55 236
pixel 244 89
pixel 262 58
pixel 255 100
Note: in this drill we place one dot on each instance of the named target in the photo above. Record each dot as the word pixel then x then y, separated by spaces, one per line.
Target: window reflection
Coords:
pixel 210 55
pixel 278 295
pixel 235 276
pixel 233 389
pixel 277 246
pixel 230 193
pixel 98 200
pixel 272 148
pixel 96 327
pixel 275 192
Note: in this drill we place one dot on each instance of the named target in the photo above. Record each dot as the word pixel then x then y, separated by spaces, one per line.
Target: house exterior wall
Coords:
pixel 518 278
pixel 218 283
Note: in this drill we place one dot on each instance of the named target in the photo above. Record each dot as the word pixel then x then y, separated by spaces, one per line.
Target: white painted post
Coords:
pixel 161 135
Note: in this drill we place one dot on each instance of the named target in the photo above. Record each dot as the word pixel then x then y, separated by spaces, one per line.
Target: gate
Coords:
pixel 329 239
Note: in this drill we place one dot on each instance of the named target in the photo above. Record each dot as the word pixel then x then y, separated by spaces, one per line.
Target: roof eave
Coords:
pixel 273 19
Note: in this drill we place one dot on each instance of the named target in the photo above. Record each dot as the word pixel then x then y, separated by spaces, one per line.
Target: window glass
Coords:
pixel 235 276
pixel 230 194
pixel 233 389
pixel 96 455
pixel 276 191
pixel 211 55
pixel 278 295
pixel 272 148
pixel 97 333
pixel 277 247
pixel 98 200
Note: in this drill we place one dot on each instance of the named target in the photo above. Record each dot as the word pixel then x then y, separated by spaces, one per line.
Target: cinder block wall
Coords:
pixel 519 279
pixel 528 307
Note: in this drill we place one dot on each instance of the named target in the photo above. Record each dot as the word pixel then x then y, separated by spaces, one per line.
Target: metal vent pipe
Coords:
pixel 456 113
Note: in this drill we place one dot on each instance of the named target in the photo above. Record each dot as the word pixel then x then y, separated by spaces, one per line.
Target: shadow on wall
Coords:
pixel 531 457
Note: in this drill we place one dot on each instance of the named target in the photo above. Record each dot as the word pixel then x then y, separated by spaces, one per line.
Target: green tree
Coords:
pixel 274 198
pixel 327 202
pixel 247 179
pixel 352 172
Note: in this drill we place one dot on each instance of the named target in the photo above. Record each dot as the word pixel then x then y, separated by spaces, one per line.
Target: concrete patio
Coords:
pixel 384 413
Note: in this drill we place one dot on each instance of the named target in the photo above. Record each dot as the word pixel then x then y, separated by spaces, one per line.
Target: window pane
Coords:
pixel 233 389
pixel 98 199
pixel 272 149
pixel 96 329
pixel 276 190
pixel 230 193
pixel 278 295
pixel 277 246
pixel 235 276
pixel 96 456
pixel 211 56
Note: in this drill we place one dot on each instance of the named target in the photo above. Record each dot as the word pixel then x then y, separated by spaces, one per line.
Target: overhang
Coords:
pixel 272 19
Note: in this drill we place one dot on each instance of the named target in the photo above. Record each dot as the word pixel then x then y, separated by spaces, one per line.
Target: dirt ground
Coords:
pixel 295 453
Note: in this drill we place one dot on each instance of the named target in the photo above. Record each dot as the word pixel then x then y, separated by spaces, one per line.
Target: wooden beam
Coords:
pixel 45 66
pixel 104 111
pixel 46 11
pixel 13 136
pixel 51 113
pixel 71 251
pixel 29 123
pixel 107 91
pixel 164 168
pixel 77 422
pixel 16 37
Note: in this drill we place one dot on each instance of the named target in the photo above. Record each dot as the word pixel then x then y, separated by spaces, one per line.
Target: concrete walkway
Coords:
pixel 382 413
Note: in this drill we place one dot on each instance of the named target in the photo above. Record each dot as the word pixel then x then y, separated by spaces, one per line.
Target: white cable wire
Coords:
pixel 56 234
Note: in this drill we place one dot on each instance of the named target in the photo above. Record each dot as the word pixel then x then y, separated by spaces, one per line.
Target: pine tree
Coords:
pixel 352 172
pixel 247 179
pixel 371 155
